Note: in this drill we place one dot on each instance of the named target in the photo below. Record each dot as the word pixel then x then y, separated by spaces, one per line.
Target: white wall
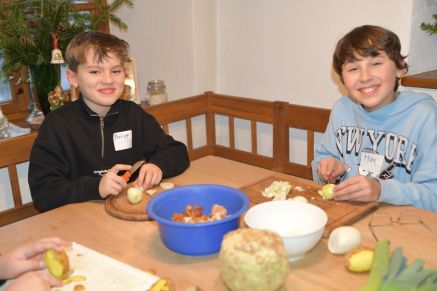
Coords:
pixel 273 50
pixel 423 47
pixel 282 50
pixel 174 41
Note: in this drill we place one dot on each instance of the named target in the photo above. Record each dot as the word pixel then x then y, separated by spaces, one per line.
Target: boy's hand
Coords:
pixel 149 176
pixel 36 281
pixel 331 169
pixel 28 257
pixel 358 188
pixel 111 183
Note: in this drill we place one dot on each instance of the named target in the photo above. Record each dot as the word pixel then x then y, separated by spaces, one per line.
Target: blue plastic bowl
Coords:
pixel 196 239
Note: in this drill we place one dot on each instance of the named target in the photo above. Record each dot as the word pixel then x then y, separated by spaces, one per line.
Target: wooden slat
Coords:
pixel 16 150
pixel 253 134
pixel 179 109
pixel 245 108
pixel 243 157
pixel 15 186
pixel 231 132
pixel 18 213
pixel 189 134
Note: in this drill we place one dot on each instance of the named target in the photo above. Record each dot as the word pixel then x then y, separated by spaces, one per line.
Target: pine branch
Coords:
pixel 428 27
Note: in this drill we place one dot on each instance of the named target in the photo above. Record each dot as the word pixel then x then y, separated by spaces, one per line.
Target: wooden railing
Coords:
pixel 13 152
pixel 281 116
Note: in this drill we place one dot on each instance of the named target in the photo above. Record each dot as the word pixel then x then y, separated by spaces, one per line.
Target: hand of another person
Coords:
pixel 35 281
pixel 358 188
pixel 149 176
pixel 330 169
pixel 28 257
pixel 111 183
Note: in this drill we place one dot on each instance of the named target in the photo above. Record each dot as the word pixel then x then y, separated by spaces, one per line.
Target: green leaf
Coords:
pixel 397 264
pixel 411 271
pixel 380 266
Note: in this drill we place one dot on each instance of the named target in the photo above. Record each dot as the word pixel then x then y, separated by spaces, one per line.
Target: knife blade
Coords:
pixel 132 170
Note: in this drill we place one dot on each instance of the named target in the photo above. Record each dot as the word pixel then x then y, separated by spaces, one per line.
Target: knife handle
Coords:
pixel 126 176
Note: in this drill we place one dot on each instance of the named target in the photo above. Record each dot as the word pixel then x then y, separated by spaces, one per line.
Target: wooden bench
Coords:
pixel 13 152
pixel 280 116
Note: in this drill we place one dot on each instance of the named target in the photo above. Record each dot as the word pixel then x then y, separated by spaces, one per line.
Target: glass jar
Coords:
pixel 156 93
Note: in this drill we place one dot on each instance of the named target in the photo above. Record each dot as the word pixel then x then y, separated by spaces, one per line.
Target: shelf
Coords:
pixel 422 80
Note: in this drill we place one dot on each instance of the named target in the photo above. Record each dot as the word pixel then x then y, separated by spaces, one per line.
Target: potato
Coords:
pixel 166 185
pixel 300 199
pixel 163 284
pixel 57 263
pixel 134 194
pixel 359 259
pixel 327 191
pixel 252 259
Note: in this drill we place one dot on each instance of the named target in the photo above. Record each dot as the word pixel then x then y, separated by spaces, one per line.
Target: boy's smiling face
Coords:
pixel 370 81
pixel 101 83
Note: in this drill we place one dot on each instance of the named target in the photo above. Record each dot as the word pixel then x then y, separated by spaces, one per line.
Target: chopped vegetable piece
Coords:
pixel 359 259
pixel 166 185
pixel 327 191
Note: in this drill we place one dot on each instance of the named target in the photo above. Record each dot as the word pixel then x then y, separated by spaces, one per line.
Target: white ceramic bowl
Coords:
pixel 300 225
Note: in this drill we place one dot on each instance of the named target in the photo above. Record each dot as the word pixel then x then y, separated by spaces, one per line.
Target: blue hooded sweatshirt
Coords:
pixel 396 144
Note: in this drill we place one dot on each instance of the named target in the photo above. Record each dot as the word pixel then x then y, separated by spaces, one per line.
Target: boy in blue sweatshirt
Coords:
pixel 380 144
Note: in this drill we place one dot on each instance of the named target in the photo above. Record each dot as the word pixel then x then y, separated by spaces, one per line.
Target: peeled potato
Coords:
pixel 166 185
pixel 359 259
pixel 163 284
pixel 327 191
pixel 300 199
pixel 57 263
pixel 134 194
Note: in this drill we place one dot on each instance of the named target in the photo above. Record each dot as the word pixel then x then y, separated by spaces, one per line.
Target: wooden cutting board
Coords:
pixel 118 206
pixel 339 213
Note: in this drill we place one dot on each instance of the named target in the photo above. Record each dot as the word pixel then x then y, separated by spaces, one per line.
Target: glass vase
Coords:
pixel 45 78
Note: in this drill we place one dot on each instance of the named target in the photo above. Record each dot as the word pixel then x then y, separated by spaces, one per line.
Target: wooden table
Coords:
pixel 138 243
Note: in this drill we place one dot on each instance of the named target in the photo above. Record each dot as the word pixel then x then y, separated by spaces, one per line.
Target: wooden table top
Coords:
pixel 138 243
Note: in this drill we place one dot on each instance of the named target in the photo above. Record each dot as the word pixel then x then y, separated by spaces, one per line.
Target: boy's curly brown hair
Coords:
pixel 368 40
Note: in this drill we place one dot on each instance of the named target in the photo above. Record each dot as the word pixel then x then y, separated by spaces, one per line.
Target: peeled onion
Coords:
pixel 134 195
pixel 344 239
pixel 300 199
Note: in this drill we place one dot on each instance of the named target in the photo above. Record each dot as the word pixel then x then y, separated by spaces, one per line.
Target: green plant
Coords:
pixel 429 27
pixel 26 28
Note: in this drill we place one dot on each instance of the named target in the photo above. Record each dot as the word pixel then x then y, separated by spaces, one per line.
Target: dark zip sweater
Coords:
pixel 75 147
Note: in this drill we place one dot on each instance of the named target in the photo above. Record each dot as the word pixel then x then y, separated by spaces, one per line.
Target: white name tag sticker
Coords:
pixel 122 140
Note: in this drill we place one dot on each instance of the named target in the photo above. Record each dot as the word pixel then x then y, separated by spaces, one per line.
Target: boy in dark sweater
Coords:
pixel 82 146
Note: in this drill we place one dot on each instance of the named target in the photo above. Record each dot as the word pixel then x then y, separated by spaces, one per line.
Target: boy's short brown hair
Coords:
pixel 368 40
pixel 101 43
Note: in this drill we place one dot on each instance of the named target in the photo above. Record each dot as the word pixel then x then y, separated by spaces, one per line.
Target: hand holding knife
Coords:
pixel 132 170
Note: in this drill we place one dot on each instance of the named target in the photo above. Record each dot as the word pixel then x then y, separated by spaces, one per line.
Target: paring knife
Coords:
pixel 133 169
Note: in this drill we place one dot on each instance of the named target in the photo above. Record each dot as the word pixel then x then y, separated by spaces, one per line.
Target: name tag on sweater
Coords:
pixel 122 140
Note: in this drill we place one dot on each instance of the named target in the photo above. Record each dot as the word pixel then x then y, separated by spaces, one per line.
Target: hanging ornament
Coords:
pixel 56 53
pixel 24 40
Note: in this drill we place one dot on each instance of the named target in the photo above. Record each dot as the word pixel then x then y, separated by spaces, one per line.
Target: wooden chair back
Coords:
pixel 13 152
pixel 309 119
pixel 184 110
pixel 246 109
